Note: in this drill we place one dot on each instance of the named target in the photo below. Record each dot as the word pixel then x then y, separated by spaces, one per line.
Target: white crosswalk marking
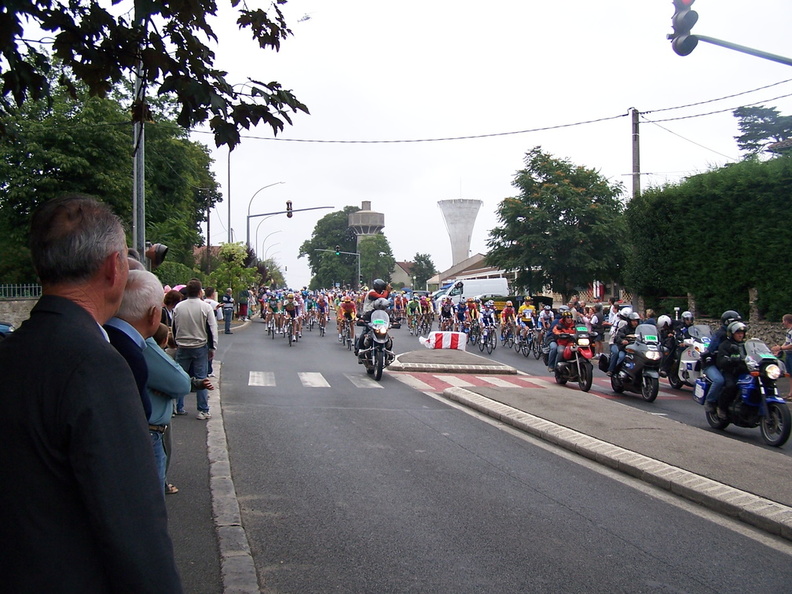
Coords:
pixel 455 381
pixel 261 378
pixel 362 381
pixel 312 379
pixel 413 382
pixel 497 381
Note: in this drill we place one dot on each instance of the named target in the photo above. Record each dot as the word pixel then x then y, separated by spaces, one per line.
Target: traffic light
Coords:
pixel 156 254
pixel 289 212
pixel 682 42
pixel 338 250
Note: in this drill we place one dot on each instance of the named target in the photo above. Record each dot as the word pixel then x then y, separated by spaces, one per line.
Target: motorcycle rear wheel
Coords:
pixel 775 427
pixel 559 379
pixel 650 388
pixel 585 377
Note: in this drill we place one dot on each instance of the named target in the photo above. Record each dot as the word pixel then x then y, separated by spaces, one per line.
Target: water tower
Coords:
pixel 366 221
pixel 460 218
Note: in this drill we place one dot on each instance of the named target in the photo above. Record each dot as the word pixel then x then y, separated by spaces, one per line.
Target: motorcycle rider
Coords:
pixel 675 347
pixel 566 325
pixel 379 290
pixel 621 340
pixel 665 331
pixel 709 359
pixel 731 363
pixel 618 324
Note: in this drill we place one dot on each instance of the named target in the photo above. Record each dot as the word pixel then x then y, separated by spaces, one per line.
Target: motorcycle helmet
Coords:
pixel 663 321
pixel 687 317
pixel 624 312
pixel 379 285
pixel 736 326
pixel 566 314
pixel 381 303
pixel 730 316
pixel 634 316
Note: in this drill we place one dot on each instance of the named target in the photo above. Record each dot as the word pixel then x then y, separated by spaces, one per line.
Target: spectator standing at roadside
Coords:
pixel 81 509
pixel 784 351
pixel 210 297
pixel 228 309
pixel 195 331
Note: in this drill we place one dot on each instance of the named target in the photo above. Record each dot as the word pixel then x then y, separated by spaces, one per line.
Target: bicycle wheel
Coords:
pixel 482 341
pixel 491 341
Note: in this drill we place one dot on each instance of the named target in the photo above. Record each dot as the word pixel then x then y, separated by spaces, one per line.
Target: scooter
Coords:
pixel 757 403
pixel 377 352
pixel 687 367
pixel 640 370
pixel 574 364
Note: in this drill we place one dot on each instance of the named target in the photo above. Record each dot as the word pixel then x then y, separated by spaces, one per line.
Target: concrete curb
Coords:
pixel 762 513
pixel 237 570
pixel 484 368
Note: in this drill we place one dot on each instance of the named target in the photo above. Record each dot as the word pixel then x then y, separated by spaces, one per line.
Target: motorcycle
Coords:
pixel 574 364
pixel 377 352
pixel 687 367
pixel 757 403
pixel 640 370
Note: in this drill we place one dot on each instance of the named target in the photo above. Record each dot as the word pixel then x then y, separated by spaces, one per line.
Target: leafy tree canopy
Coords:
pixel 87 42
pixel 327 268
pixel 376 258
pixel 563 230
pixel 761 126
pixel 422 269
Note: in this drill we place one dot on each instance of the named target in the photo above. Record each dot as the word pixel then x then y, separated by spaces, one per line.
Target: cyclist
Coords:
pixel 413 312
pixel 399 303
pixel 347 312
pixel 274 310
pixel 461 315
pixel 507 318
pixel 428 310
pixel 290 308
pixel 446 313
pixel 525 316
pixel 488 315
pixel 545 321
pixel 321 309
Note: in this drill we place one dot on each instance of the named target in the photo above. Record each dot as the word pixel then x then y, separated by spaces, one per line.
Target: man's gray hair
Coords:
pixel 71 236
pixel 143 291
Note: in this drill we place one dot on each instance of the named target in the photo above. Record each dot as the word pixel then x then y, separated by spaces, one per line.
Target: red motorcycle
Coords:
pixel 574 364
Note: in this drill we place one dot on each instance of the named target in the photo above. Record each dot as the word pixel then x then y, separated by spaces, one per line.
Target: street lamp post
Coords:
pixel 247 242
pixel 269 248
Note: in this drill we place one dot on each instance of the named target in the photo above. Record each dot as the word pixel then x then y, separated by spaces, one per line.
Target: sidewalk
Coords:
pixel 726 475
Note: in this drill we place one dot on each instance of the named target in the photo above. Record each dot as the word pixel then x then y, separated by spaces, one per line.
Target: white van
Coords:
pixel 462 289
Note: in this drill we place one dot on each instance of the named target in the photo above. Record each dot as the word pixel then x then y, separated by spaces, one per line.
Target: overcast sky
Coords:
pixel 498 70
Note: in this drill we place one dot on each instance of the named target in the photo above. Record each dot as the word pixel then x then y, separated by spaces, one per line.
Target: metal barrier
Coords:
pixel 18 291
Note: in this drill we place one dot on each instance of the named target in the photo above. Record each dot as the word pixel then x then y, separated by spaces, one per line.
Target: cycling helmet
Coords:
pixel 347 298
pixel 527 298
pixel 470 299
pixel 547 308
pixel 730 316
pixel 634 316
pixel 735 326
pixel 663 321
pixel 415 298
pixel 509 304
pixel 379 285
pixel 687 316
pixel 563 309
pixel 290 296
pixel 490 303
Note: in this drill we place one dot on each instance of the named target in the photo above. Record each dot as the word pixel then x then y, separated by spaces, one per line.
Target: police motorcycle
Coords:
pixel 687 367
pixel 757 403
pixel 377 352
pixel 640 370
pixel 574 364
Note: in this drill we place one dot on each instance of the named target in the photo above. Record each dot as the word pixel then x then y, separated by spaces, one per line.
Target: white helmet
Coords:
pixel 663 321
pixel 624 312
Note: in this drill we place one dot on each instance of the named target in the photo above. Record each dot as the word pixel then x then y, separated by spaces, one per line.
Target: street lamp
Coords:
pixel 267 237
pixel 269 248
pixel 247 242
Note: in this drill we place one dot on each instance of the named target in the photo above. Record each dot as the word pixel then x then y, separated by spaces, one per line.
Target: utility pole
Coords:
pixel 139 114
pixel 636 154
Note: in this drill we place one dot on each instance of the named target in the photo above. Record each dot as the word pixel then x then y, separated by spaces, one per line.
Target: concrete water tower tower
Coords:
pixel 366 221
pixel 460 218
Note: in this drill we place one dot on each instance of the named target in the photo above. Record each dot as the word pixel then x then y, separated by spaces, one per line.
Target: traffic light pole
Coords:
pixel 745 50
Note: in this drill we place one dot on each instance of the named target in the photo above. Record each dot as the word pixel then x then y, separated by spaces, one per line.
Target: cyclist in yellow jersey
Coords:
pixel 526 315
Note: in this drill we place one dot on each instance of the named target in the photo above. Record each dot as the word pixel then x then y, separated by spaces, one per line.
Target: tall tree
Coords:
pixel 563 230
pixel 327 268
pixel 761 126
pixel 84 145
pixel 376 258
pixel 422 269
pixel 100 46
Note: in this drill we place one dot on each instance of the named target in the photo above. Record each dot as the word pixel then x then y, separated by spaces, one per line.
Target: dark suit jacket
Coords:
pixel 137 363
pixel 81 506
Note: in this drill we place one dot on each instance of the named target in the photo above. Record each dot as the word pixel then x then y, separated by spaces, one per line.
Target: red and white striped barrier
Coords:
pixel 444 340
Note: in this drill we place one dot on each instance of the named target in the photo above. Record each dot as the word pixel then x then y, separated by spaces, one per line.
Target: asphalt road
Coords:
pixel 346 484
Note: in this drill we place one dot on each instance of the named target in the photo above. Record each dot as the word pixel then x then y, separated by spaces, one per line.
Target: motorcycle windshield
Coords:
pixel 757 349
pixel 701 333
pixel 379 319
pixel 646 333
